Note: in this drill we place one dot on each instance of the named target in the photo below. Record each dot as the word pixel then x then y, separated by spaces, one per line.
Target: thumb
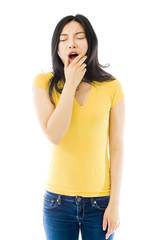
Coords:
pixel 66 62
pixel 105 219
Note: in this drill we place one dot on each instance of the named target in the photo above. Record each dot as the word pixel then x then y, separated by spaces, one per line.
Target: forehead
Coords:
pixel 73 27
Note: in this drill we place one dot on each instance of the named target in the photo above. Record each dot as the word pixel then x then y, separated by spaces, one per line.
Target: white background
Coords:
pixel 128 35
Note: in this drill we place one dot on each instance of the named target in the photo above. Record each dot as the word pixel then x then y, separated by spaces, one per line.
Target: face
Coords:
pixel 72 38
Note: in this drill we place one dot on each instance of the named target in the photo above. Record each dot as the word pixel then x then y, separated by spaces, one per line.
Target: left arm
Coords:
pixel 116 130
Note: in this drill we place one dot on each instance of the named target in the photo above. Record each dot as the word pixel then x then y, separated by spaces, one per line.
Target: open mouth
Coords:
pixel 73 56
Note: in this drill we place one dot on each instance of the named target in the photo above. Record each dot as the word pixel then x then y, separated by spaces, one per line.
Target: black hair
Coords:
pixel 94 70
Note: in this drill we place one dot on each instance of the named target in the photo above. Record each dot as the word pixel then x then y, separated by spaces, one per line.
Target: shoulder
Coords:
pixel 112 91
pixel 42 80
pixel 109 85
pixel 113 83
pixel 112 86
pixel 116 92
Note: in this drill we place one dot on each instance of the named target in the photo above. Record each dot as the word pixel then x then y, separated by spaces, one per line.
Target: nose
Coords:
pixel 71 43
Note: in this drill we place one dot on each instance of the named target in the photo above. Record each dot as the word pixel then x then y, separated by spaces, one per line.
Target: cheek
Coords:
pixel 84 46
pixel 60 50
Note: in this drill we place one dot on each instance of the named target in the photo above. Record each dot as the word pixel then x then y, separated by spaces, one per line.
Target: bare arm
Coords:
pixel 116 150
pixel 59 121
pixel 54 121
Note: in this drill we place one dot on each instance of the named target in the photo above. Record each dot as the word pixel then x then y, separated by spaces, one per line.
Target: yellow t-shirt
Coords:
pixel 80 163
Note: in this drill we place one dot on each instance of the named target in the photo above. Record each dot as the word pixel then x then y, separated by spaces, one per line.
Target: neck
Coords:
pixel 80 84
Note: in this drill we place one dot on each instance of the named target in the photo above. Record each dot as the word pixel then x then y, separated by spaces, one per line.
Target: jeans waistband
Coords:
pixel 73 198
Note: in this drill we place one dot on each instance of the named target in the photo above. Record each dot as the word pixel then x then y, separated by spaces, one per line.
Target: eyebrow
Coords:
pixel 64 34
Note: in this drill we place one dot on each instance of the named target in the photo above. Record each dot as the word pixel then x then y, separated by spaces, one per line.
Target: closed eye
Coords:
pixel 66 39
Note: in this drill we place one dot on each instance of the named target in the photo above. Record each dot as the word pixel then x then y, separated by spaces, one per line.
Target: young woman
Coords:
pixel 80 108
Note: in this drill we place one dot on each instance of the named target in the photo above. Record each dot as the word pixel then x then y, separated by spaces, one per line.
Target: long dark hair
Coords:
pixel 94 70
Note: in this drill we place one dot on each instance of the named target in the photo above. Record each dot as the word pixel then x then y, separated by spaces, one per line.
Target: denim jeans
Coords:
pixel 64 216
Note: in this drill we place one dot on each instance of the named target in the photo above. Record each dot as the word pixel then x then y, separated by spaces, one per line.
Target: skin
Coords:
pixel 116 133
pixel 73 43
pixel 73 38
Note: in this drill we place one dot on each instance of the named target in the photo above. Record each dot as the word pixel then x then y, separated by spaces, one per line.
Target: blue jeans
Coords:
pixel 64 215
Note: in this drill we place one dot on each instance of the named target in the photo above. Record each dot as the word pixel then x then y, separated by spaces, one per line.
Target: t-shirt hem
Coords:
pixel 78 193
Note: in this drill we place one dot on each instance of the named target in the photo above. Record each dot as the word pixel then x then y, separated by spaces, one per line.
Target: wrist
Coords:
pixel 113 202
pixel 70 87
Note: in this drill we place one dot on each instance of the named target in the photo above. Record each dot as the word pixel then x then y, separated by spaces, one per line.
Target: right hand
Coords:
pixel 75 71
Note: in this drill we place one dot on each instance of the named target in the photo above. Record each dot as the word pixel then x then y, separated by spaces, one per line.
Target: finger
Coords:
pixel 77 58
pixel 107 235
pixel 109 229
pixel 83 66
pixel 84 70
pixel 116 227
pixel 105 219
pixel 82 61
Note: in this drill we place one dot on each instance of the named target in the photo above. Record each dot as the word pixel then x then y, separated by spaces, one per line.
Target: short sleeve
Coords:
pixel 117 93
pixel 42 80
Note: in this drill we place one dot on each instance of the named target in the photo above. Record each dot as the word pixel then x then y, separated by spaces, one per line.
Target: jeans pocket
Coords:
pixel 102 204
pixel 49 202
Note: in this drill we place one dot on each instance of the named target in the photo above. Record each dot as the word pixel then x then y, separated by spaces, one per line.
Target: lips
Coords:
pixel 72 55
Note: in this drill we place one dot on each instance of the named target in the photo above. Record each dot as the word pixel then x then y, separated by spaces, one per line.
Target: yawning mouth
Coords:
pixel 73 55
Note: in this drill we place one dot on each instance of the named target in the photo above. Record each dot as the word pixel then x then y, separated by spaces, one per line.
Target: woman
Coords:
pixel 80 108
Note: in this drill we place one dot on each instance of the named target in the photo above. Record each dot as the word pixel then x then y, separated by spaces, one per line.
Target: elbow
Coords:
pixel 56 144
pixel 53 139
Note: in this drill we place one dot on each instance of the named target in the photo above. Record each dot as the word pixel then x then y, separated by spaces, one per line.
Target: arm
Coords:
pixel 54 121
pixel 116 131
pixel 59 121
